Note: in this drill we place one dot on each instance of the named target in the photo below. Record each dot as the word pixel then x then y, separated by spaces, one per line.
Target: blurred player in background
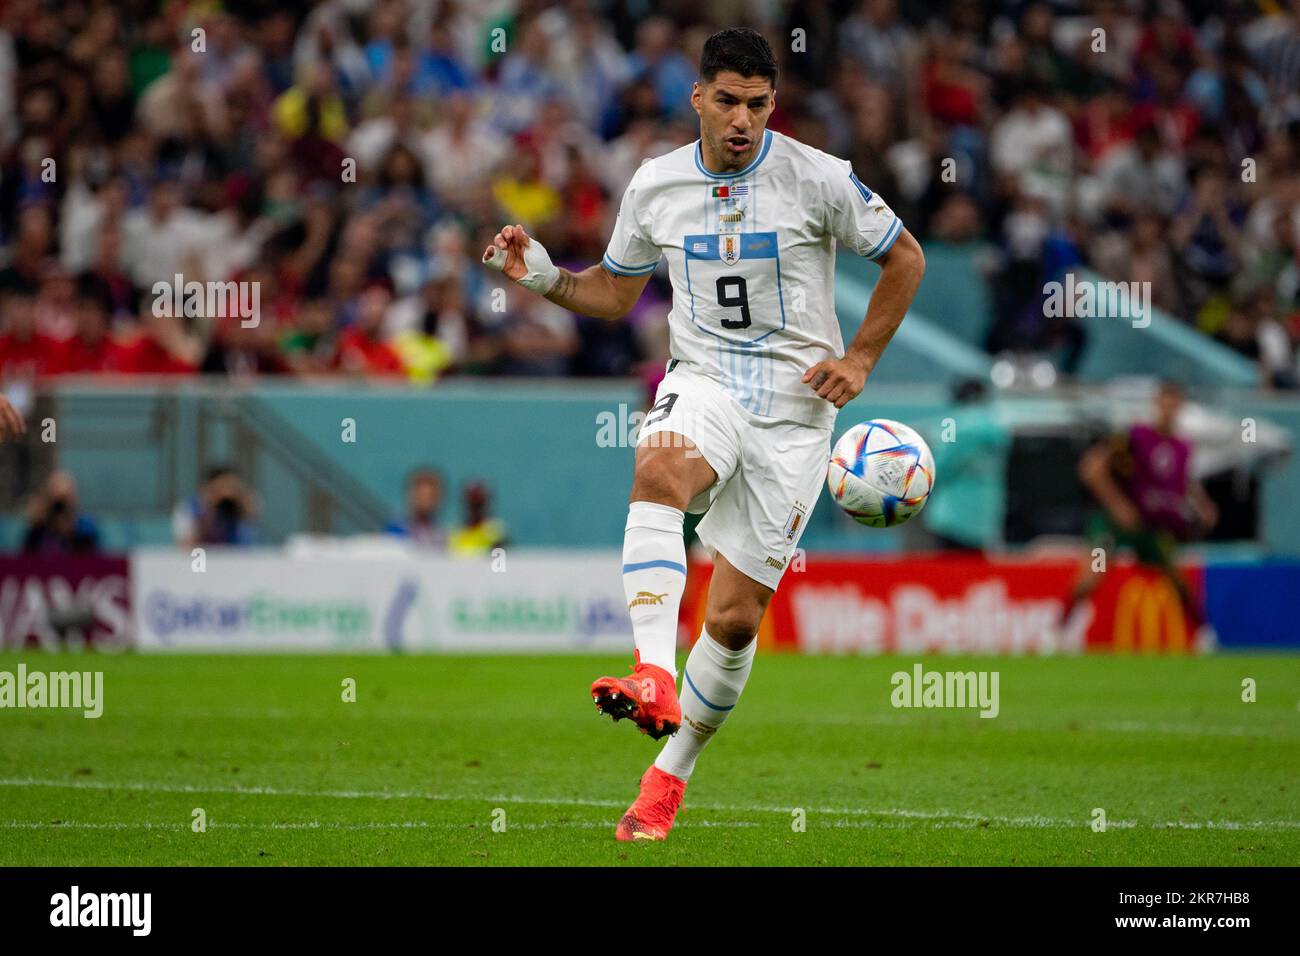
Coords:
pixel 748 219
pixel 972 508
pixel 1142 479
pixel 480 534
pixel 421 525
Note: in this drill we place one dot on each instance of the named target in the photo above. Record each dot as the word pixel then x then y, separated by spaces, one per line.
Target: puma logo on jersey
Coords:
pixel 646 598
pixel 774 563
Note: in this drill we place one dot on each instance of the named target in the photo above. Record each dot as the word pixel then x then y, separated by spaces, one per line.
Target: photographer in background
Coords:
pixel 54 524
pixel 223 511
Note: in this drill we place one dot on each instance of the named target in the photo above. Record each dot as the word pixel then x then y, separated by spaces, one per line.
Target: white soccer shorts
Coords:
pixel 770 472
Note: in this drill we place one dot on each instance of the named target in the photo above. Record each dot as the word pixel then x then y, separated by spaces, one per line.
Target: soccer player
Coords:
pixel 741 425
pixel 1142 479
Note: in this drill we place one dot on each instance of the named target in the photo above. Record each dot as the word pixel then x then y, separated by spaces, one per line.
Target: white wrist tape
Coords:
pixel 542 273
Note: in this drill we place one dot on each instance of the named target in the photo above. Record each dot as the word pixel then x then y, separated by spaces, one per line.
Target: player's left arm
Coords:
pixel 840 380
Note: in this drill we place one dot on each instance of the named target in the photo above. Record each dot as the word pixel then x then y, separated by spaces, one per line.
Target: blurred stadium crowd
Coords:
pixel 1172 157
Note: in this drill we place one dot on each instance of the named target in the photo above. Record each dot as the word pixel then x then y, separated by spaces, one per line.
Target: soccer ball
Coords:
pixel 881 473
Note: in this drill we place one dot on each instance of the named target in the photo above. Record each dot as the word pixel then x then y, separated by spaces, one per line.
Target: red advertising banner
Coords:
pixel 52 602
pixel 960 604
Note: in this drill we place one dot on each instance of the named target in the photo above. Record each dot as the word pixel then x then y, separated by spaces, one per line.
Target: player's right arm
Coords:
pixel 1097 472
pixel 1203 506
pixel 595 291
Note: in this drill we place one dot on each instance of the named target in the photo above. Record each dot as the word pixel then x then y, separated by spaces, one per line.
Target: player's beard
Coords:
pixel 730 159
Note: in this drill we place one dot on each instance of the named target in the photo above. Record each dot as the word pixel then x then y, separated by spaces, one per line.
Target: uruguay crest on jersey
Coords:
pixel 729 248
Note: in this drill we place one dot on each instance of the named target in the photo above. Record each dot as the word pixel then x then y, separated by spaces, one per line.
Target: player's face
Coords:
pixel 1169 401
pixel 426 496
pixel 734 111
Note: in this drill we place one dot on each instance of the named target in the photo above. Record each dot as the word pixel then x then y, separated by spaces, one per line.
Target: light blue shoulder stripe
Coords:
pixel 884 245
pixel 623 270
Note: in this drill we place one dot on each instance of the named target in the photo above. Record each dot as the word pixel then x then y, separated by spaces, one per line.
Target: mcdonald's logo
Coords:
pixel 1149 617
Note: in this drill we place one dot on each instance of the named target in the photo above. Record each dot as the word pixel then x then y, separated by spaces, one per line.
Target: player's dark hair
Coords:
pixel 737 50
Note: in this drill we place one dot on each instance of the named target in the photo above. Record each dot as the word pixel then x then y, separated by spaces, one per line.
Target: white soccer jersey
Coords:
pixel 751 256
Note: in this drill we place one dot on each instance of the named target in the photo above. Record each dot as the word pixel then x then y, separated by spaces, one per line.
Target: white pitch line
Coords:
pixel 1191 730
pixel 920 815
pixel 316 825
pixel 227 788
pixel 1085 724
pixel 1281 734
pixel 594 825
pixel 428 825
pixel 956 818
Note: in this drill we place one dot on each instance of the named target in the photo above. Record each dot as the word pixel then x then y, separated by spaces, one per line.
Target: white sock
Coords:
pixel 712 681
pixel 654 576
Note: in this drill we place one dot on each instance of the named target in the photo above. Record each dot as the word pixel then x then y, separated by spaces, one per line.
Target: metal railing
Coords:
pixel 137 452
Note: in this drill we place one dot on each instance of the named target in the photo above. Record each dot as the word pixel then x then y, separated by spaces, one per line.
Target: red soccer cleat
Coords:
pixel 651 816
pixel 648 698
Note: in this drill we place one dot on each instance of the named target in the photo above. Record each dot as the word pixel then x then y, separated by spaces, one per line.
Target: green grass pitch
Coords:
pixel 435 749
